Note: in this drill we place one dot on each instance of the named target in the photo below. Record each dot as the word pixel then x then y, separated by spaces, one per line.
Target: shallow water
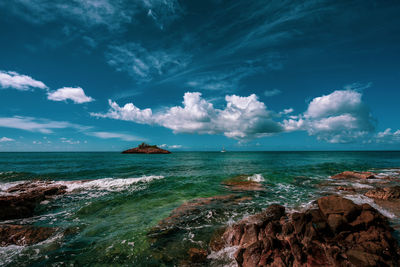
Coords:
pixel 108 220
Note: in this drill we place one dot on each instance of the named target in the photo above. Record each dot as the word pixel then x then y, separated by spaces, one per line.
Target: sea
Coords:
pixel 108 220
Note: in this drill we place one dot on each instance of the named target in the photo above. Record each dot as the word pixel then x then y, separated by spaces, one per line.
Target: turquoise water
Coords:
pixel 107 220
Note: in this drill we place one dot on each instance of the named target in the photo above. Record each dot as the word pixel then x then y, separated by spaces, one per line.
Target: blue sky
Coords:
pixel 104 75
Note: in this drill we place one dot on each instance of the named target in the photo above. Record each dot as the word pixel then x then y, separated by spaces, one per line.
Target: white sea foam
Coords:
pixel 6 186
pixel 104 185
pixel 361 199
pixel 8 253
pixel 224 257
pixel 359 185
pixel 256 178
pixel 107 184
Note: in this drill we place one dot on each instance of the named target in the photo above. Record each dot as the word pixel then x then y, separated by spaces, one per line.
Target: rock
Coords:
pixel 338 205
pixel 337 233
pixel 387 193
pixel 22 235
pixel 197 255
pixel 354 175
pixel 344 188
pixel 21 200
pixel 194 221
pixel 146 149
pixel 242 183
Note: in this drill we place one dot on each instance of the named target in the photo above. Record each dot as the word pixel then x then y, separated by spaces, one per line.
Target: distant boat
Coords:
pixel 223 150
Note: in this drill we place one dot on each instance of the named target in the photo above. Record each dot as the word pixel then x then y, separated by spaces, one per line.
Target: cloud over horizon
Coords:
pixel 340 117
pixel 242 118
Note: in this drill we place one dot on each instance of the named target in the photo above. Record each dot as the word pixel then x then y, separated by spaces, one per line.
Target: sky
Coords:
pixel 106 75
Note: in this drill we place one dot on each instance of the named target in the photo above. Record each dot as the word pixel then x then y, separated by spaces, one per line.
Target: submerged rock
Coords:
pixel 22 235
pixel 21 200
pixel 386 193
pixel 337 233
pixel 354 175
pixel 192 223
pixel 146 149
pixel 243 183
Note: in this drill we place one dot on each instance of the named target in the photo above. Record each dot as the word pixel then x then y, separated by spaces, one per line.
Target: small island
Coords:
pixel 144 148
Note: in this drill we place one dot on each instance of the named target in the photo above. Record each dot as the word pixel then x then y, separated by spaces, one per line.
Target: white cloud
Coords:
pixel 272 92
pixel 76 94
pixel 145 65
pixel 286 111
pixel 388 136
pixel 70 141
pixel 112 14
pixel 242 118
pixel 6 139
pixel 129 112
pixel 12 79
pixel 37 125
pixel 170 146
pixel 340 117
pixel 108 135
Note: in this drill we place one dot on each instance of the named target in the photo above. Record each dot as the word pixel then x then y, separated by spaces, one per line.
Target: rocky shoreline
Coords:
pixel 335 230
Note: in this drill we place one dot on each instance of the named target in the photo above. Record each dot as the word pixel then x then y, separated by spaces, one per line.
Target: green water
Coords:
pixel 107 220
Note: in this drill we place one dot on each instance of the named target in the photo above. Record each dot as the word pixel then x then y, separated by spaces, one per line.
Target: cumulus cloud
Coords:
pixel 242 118
pixel 129 112
pixel 12 79
pixel 6 139
pixel 37 125
pixel 145 65
pixel 76 94
pixel 340 117
pixel 122 136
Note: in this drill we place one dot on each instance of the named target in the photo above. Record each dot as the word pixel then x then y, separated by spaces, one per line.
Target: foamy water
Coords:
pixel 256 178
pixel 107 184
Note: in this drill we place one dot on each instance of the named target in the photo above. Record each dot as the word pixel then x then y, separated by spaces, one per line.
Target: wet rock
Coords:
pixel 354 175
pixel 337 233
pixel 197 255
pixel 22 235
pixel 21 200
pixel 194 222
pixel 386 193
pixel 346 188
pixel 242 183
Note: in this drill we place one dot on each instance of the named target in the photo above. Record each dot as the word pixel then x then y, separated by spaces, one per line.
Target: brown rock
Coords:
pixel 387 193
pixel 197 255
pixel 345 188
pixel 22 199
pixel 146 149
pixel 338 233
pixel 337 205
pixel 354 175
pixel 241 183
pixel 21 235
